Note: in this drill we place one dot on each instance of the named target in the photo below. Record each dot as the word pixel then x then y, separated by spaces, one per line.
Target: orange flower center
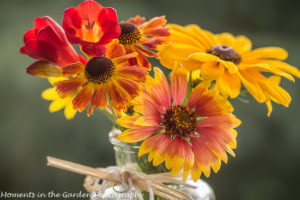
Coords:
pixel 130 34
pixel 226 53
pixel 99 69
pixel 179 121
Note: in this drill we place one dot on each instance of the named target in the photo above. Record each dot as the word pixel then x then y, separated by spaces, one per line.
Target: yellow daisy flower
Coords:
pixel 59 103
pixel 230 62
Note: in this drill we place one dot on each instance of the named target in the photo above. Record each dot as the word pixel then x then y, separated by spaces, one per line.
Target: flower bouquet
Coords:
pixel 167 130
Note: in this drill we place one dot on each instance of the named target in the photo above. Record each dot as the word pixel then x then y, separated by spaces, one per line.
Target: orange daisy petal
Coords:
pixel 98 99
pixel 130 86
pixel 67 87
pixel 138 20
pixel 133 72
pixel 125 57
pixel 153 23
pixel 73 69
pixel 83 98
pixel 145 51
pixel 160 31
pixel 138 133
pixel 114 50
pixel 118 96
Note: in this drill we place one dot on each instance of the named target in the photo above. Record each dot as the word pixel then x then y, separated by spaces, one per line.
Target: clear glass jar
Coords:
pixel 126 154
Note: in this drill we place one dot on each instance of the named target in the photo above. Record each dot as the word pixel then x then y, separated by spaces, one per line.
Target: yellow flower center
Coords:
pixel 226 53
pixel 130 34
pixel 179 121
pixel 99 69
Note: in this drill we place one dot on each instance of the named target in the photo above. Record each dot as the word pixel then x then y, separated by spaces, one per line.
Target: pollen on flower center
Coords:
pixel 130 34
pixel 179 121
pixel 99 69
pixel 226 53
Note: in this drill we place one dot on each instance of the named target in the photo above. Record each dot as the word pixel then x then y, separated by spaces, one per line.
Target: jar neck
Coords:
pixel 126 154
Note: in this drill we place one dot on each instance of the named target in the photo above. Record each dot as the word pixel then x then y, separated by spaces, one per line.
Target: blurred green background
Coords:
pixel 267 159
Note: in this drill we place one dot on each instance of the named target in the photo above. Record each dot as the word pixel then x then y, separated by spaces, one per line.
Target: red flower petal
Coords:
pixel 47 41
pixel 94 50
pixel 179 85
pixel 226 121
pixel 179 155
pixel 156 146
pixel 108 21
pixel 91 24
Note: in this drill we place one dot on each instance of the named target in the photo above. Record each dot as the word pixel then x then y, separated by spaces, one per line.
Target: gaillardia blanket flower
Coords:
pixel 192 137
pixel 230 62
pixel 143 37
pixel 59 103
pixel 106 75
pixel 92 26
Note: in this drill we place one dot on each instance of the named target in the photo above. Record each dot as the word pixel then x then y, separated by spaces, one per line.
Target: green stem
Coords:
pixel 108 115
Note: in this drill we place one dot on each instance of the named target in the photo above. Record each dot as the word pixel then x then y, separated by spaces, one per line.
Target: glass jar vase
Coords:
pixel 126 155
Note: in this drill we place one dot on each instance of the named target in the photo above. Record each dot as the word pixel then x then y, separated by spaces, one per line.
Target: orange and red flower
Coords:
pixel 110 75
pixel 143 37
pixel 47 42
pixel 92 26
pixel 192 137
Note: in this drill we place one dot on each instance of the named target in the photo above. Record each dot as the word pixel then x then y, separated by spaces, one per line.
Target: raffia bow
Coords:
pixel 154 183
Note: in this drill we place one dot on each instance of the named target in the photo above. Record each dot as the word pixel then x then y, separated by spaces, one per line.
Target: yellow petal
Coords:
pixel 266 52
pixel 177 54
pixel 69 111
pixel 50 94
pixel 270 108
pixel 56 105
pixel 242 44
pixel 203 57
pixel 211 70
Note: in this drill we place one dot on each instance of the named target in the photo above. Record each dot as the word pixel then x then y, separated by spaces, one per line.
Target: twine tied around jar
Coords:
pixel 112 176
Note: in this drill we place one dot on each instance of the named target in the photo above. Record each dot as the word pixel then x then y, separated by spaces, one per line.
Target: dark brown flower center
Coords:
pixel 99 69
pixel 226 53
pixel 179 121
pixel 130 110
pixel 130 34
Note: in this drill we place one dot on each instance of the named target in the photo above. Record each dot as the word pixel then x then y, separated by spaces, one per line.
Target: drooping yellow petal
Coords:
pixel 177 54
pixel 266 52
pixel 69 111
